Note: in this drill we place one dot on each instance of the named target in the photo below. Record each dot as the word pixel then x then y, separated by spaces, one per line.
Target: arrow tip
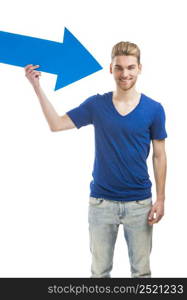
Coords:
pixel 80 62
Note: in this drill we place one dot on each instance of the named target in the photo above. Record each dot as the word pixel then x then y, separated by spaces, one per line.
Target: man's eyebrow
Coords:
pixel 128 66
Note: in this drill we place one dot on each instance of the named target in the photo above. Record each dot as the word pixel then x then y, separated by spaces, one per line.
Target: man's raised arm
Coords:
pixel 55 121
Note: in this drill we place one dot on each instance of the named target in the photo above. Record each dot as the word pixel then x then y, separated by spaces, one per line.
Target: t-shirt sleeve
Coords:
pixel 157 129
pixel 82 114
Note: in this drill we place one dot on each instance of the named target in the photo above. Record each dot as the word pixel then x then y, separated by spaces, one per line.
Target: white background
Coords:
pixel 45 176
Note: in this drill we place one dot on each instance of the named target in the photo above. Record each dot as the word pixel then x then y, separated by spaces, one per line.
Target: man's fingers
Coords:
pixel 31 67
pixel 152 220
pixel 35 73
pixel 158 218
pixel 151 215
pixel 27 66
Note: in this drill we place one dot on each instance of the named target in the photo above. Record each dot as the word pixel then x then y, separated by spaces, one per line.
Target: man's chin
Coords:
pixel 125 87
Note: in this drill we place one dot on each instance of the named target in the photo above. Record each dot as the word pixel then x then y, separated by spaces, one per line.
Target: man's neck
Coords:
pixel 129 96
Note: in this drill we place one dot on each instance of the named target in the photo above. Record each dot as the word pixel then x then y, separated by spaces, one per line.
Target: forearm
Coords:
pixel 160 170
pixel 51 115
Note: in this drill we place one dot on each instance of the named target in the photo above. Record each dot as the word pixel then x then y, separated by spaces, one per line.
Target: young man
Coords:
pixel 125 122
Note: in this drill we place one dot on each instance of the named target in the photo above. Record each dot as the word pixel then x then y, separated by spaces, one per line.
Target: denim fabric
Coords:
pixel 104 218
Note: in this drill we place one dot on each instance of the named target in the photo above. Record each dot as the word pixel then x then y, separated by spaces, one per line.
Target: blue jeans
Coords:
pixel 104 218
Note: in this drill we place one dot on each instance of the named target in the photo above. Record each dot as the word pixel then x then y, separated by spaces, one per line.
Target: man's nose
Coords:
pixel 124 73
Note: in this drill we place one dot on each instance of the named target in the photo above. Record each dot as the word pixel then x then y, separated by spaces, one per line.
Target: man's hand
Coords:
pixel 156 213
pixel 32 75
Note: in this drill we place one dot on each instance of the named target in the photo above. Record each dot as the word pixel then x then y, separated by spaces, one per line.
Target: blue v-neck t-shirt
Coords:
pixel 122 145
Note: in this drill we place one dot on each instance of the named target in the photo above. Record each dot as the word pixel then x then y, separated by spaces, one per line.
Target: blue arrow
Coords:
pixel 69 60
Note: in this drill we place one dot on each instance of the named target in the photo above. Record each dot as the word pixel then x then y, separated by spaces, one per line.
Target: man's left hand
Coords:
pixel 156 213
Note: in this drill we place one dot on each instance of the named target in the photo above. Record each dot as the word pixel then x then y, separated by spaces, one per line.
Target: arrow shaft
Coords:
pixel 20 50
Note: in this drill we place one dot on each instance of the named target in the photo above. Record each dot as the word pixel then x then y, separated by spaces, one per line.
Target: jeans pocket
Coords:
pixel 144 202
pixel 95 201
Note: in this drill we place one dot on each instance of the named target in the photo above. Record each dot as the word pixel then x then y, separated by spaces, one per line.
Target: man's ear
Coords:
pixel 140 68
pixel 111 68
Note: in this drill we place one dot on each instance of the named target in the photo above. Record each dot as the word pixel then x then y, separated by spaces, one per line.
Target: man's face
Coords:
pixel 125 70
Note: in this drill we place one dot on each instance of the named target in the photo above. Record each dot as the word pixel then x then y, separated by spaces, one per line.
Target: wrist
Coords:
pixel 160 198
pixel 36 88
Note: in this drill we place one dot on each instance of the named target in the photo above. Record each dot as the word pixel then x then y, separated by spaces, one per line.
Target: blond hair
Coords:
pixel 126 48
